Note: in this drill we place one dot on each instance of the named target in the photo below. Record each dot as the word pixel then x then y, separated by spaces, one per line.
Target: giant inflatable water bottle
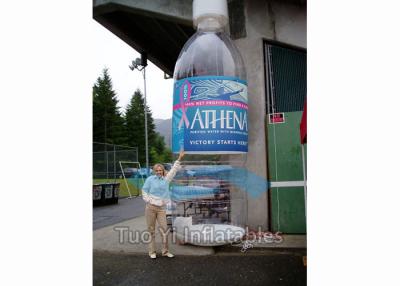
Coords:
pixel 210 114
pixel 210 123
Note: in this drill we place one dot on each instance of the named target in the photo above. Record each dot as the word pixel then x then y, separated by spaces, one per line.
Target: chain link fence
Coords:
pixel 114 164
pixel 106 158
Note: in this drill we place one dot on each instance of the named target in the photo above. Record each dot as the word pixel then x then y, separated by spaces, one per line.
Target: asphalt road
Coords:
pixel 270 268
pixel 111 214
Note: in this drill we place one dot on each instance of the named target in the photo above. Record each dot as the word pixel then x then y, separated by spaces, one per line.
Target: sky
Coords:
pixel 116 55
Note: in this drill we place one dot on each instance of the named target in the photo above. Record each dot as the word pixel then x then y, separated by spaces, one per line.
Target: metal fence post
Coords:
pixel 114 164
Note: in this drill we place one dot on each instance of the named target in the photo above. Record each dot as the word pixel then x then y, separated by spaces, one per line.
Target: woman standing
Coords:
pixel 155 193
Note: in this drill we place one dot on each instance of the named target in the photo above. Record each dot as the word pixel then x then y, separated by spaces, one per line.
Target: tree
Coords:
pixel 135 126
pixel 161 154
pixel 108 123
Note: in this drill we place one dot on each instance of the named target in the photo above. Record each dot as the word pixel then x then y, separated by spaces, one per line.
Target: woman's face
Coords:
pixel 159 171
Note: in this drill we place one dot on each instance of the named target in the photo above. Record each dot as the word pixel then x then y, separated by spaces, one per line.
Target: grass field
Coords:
pixel 133 184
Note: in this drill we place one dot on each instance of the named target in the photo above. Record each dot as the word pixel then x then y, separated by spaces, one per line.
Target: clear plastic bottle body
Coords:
pixel 209 190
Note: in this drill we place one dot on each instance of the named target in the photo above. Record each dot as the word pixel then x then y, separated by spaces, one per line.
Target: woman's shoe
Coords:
pixel 168 254
pixel 153 256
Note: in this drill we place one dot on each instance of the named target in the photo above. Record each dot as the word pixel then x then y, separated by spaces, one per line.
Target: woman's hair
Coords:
pixel 159 165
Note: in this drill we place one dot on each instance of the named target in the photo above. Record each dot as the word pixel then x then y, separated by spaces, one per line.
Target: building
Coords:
pixel 271 36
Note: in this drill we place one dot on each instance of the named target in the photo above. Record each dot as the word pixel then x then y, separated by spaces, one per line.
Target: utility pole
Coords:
pixel 140 64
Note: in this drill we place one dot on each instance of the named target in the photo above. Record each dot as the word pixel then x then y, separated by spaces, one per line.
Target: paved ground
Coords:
pixel 111 214
pixel 122 228
pixel 273 267
pixel 126 262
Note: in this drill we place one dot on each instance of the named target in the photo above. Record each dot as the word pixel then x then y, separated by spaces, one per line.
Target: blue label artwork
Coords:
pixel 210 115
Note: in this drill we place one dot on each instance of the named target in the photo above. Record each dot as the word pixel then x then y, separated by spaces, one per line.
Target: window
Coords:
pixel 286 78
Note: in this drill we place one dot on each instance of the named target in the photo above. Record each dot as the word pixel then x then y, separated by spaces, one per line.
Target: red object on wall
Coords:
pixel 303 125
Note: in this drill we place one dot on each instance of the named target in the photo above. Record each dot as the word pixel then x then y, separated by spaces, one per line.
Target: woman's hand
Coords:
pixel 181 154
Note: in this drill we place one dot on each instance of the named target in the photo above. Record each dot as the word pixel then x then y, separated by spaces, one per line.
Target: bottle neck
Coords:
pixel 210 24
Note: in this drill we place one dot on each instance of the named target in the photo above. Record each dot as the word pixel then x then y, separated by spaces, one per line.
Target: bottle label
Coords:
pixel 210 115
